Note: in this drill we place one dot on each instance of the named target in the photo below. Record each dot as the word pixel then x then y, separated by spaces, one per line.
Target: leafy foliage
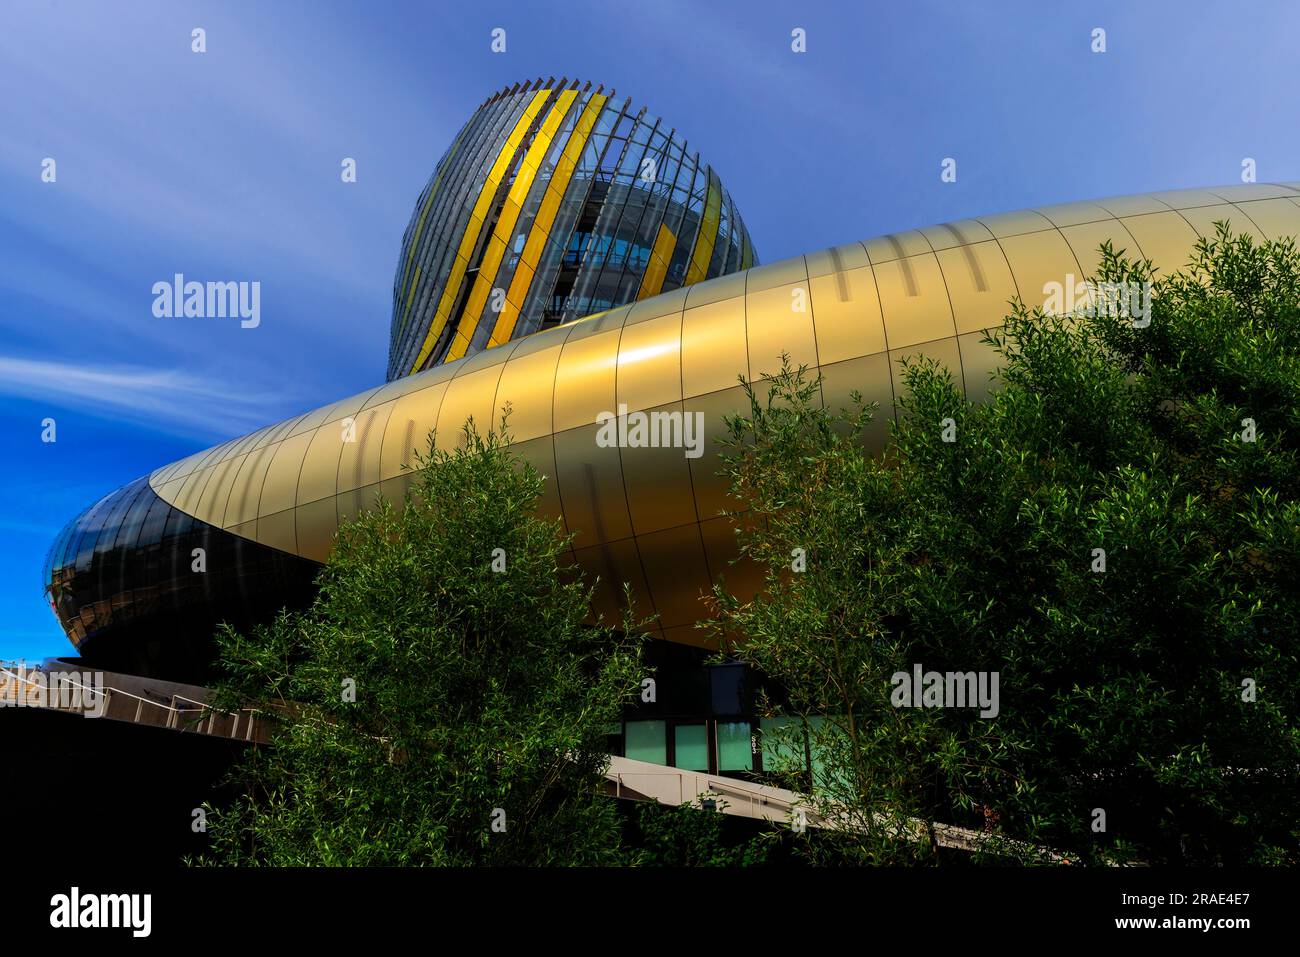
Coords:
pixel 1126 691
pixel 476 689
pixel 692 836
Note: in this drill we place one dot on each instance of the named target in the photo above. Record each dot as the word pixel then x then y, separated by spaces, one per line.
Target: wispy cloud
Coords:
pixel 168 400
pixel 198 190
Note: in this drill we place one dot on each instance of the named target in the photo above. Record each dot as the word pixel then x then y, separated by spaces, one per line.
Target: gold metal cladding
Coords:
pixel 649 516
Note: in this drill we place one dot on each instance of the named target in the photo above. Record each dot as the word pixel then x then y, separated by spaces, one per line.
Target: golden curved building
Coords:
pixel 649 515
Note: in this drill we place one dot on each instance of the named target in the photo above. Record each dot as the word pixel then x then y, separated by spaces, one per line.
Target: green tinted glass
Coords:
pixel 692 747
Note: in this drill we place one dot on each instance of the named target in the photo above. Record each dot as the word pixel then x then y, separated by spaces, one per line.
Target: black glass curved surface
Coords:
pixel 120 578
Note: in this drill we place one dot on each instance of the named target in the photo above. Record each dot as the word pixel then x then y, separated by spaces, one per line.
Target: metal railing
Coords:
pixel 181 712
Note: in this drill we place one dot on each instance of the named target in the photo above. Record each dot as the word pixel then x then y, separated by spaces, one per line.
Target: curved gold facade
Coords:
pixel 649 516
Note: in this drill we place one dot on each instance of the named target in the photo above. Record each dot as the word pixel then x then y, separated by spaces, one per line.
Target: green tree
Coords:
pixel 443 702
pixel 694 835
pixel 1115 532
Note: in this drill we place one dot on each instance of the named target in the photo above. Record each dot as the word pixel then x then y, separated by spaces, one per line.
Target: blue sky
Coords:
pixel 225 165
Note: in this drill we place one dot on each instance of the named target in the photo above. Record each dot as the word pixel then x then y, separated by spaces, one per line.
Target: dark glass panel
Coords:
pixel 138 606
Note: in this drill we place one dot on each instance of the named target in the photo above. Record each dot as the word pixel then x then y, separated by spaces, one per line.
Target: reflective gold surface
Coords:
pixel 649 515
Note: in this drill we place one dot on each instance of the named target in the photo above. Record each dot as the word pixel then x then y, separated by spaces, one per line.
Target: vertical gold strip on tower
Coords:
pixel 497 246
pixel 414 281
pixel 708 234
pixel 475 225
pixel 541 231
pixel 652 283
